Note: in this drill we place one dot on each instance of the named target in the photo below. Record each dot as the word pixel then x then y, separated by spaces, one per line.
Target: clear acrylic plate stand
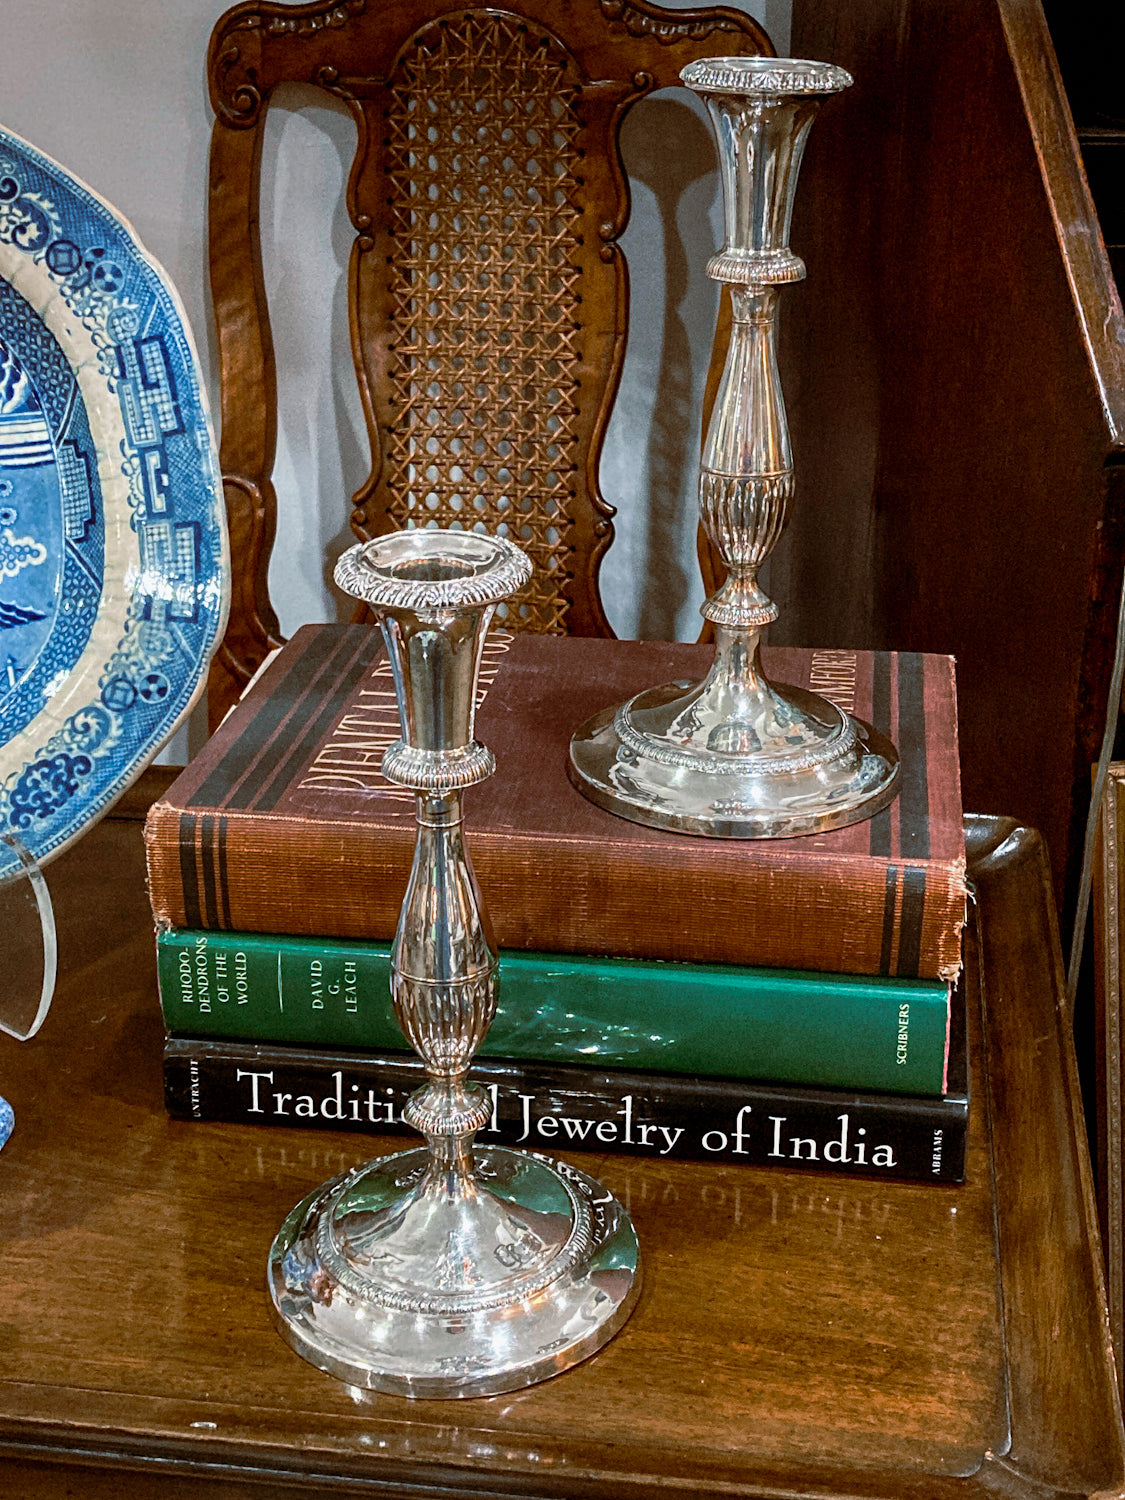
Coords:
pixel 28 953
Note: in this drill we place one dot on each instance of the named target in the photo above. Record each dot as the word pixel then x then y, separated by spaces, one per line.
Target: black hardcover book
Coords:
pixel 548 1107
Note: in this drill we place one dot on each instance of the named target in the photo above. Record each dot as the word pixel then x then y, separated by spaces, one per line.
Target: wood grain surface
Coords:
pixel 796 1335
pixel 1108 899
pixel 955 373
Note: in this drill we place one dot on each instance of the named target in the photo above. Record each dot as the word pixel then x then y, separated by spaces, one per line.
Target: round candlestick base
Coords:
pixel 401 1277
pixel 788 762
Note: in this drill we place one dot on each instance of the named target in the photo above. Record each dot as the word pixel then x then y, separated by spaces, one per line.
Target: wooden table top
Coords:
pixel 798 1334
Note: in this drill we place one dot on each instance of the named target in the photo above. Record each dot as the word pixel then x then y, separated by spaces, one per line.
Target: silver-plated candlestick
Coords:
pixel 737 756
pixel 456 1270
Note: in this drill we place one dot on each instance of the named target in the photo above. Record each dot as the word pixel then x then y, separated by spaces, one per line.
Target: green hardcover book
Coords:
pixel 831 1030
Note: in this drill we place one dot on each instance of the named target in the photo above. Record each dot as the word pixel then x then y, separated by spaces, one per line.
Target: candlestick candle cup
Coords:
pixel 456 1269
pixel 737 756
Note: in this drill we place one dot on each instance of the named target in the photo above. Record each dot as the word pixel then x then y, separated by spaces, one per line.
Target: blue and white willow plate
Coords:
pixel 113 551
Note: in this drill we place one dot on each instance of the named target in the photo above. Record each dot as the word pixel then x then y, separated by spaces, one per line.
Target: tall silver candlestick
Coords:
pixel 737 756
pixel 457 1270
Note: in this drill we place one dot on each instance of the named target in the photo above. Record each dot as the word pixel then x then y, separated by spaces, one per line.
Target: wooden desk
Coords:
pixel 798 1334
pixel 955 380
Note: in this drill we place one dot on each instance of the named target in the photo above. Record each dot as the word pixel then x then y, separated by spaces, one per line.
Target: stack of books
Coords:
pixel 783 1001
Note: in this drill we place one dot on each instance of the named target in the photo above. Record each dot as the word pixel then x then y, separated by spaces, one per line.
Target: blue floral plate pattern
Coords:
pixel 113 551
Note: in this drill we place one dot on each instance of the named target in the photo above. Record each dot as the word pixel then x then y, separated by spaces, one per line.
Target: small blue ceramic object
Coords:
pixel 113 551
pixel 7 1120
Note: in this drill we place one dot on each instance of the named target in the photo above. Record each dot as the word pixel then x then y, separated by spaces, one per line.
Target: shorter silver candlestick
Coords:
pixel 738 756
pixel 457 1270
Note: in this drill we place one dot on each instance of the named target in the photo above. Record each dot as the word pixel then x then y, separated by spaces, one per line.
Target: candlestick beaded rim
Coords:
pixel 764 75
pixel 424 568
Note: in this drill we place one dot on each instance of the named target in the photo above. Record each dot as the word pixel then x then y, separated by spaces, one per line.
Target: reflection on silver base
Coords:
pixel 397 1277
pixel 789 762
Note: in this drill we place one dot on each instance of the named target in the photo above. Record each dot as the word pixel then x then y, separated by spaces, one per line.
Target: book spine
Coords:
pixel 819 1030
pixel 345 878
pixel 573 1109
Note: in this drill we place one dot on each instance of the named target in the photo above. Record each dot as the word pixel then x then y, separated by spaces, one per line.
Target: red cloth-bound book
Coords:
pixel 283 823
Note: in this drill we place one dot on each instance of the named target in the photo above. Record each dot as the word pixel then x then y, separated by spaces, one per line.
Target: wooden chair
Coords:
pixel 488 297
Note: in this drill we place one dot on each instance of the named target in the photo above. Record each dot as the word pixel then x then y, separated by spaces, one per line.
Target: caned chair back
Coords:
pixel 488 297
